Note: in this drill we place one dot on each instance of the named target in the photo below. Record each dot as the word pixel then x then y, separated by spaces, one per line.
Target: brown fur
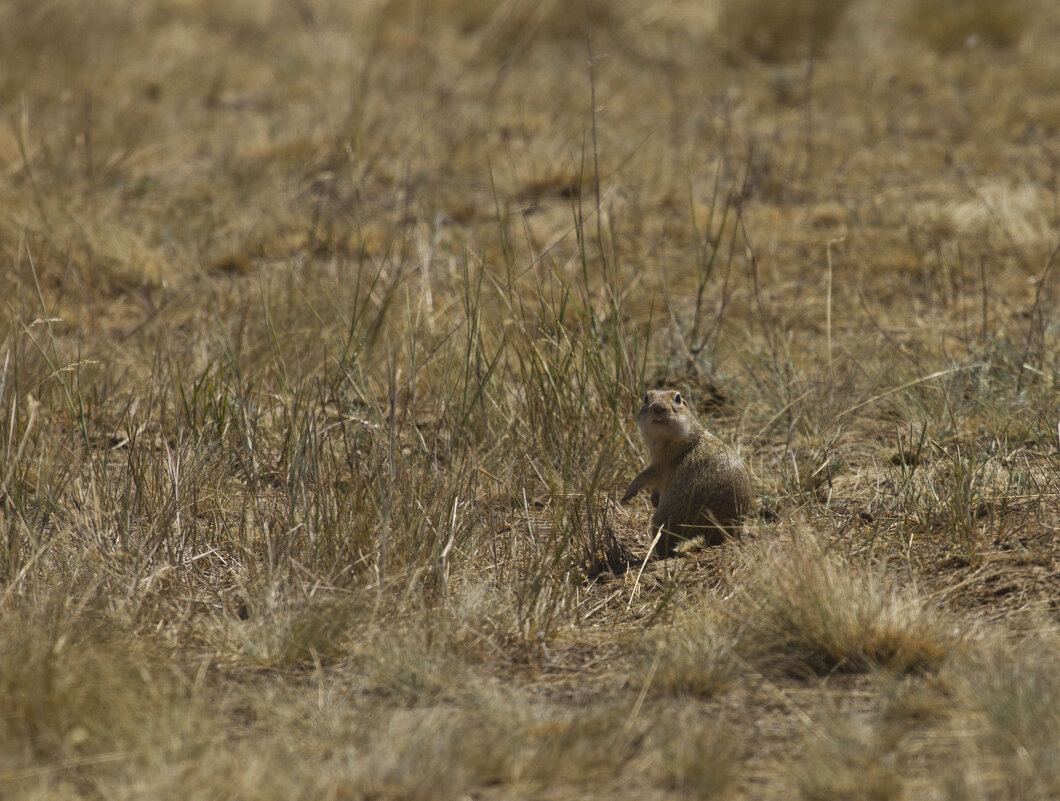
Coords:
pixel 699 485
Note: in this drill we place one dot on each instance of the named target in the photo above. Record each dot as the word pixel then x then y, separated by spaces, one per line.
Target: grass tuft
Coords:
pixel 798 606
pixel 698 755
pixel 850 759
pixel 1016 687
pixel 77 687
pixel 693 658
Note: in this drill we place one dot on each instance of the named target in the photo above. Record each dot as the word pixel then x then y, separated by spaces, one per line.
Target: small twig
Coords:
pixel 644 564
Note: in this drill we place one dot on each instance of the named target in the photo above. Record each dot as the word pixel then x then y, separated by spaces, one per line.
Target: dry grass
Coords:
pixel 799 606
pixel 1013 685
pixel 948 26
pixel 850 759
pixel 322 327
pixel 779 30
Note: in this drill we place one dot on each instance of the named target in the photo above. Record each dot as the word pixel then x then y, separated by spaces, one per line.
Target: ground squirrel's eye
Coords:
pixel 646 399
pixel 677 398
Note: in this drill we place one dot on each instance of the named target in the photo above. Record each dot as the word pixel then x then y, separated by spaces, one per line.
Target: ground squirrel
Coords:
pixel 700 488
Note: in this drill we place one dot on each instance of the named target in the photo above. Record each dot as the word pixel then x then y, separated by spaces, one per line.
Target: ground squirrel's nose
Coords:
pixel 658 408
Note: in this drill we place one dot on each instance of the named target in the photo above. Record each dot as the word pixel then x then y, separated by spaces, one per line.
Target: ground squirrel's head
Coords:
pixel 665 417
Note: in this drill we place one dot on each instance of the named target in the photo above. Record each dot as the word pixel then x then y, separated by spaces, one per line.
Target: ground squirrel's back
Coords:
pixel 699 485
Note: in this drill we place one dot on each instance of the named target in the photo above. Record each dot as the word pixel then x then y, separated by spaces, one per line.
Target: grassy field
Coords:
pixel 323 325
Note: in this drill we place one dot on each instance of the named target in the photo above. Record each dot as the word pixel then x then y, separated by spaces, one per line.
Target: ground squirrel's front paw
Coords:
pixel 634 486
